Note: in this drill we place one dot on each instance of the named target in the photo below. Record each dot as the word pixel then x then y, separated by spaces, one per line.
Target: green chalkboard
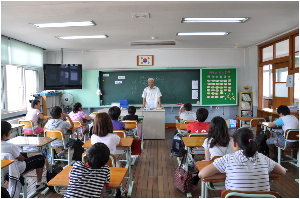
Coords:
pixel 175 85
pixel 219 86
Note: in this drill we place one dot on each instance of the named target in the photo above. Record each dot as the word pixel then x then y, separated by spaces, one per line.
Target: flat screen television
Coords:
pixel 62 76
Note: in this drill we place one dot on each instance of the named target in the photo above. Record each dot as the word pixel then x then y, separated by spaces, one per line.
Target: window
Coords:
pixel 20 83
pixel 267 81
pixel 282 48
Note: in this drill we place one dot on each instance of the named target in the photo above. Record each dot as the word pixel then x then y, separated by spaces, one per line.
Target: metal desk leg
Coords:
pixel 128 157
pixel 202 188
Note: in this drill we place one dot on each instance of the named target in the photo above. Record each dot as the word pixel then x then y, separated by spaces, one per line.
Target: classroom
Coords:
pixel 242 72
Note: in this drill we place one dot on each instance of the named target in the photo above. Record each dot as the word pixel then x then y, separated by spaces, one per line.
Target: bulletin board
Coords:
pixel 218 86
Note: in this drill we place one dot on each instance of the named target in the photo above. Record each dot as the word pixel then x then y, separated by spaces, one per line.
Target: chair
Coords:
pixel 189 121
pixel 120 133
pixel 28 124
pixel 131 126
pixel 290 134
pixel 111 161
pixel 256 122
pixel 59 135
pixel 24 187
pixel 249 194
pixel 215 157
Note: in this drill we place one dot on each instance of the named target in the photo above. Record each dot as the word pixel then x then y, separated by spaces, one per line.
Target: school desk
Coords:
pixel 17 128
pixel 43 121
pixel 75 128
pixel 177 119
pixel 40 142
pixel 248 119
pixel 190 142
pixel 62 179
pixel 205 183
pixel 124 143
pixel 4 163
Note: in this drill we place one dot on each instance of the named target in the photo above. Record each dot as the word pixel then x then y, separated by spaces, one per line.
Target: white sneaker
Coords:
pixel 41 186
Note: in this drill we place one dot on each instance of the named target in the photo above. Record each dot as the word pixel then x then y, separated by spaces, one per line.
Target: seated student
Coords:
pixel 89 180
pixel 246 169
pixel 131 112
pixel 218 141
pixel 36 162
pixel 78 115
pixel 200 126
pixel 102 132
pixel 286 121
pixel 188 114
pixel 115 112
pixel 56 123
pixel 34 114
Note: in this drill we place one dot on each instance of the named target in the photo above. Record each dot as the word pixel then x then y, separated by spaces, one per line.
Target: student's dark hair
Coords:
pixel 34 102
pixel 283 109
pixel 131 110
pixel 114 112
pixel 102 125
pixel 245 140
pixel 97 155
pixel 202 114
pixel 5 128
pixel 55 112
pixel 76 107
pixel 219 133
pixel 187 106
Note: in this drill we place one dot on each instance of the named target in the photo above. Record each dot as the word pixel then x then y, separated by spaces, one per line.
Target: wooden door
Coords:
pixel 282 95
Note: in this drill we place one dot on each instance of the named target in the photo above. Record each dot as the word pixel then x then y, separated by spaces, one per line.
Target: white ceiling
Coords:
pixel 113 18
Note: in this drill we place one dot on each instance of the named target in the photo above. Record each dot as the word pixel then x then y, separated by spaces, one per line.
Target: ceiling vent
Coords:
pixel 140 15
pixel 151 43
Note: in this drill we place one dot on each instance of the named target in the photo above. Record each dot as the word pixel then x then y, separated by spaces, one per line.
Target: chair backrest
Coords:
pixel 197 134
pixel 290 134
pixel 120 133
pixel 76 122
pixel 27 123
pixel 54 133
pixel 189 121
pixel 256 121
pixel 249 194
pixel 130 124
pixel 111 161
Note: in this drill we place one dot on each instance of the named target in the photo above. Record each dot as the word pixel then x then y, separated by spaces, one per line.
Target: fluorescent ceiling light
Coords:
pixel 64 24
pixel 193 20
pixel 201 33
pixel 82 37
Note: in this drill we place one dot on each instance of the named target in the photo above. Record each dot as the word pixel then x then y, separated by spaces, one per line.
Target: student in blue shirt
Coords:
pixel 286 121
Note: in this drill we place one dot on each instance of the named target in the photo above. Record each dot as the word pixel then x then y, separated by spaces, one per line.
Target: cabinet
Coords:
pixel 245 104
pixel 49 101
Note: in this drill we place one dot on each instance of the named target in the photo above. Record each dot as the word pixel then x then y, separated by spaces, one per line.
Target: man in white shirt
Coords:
pixel 151 96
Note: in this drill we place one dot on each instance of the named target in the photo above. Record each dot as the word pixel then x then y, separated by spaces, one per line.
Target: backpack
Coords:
pixel 177 148
pixel 55 169
pixel 262 145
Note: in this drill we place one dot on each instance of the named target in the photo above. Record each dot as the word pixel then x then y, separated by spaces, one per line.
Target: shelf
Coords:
pixel 245 102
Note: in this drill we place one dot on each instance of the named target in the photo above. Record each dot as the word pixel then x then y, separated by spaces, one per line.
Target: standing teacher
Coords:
pixel 151 96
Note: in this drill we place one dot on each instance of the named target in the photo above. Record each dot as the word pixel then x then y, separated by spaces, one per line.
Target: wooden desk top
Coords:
pixel 177 117
pixel 247 119
pixel 62 179
pixel 124 142
pixel 13 126
pixel 193 141
pixel 5 163
pixel 46 117
pixel 31 141
pixel 181 126
pixel 76 127
pixel 130 125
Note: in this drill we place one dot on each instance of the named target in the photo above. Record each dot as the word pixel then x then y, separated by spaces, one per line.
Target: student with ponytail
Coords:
pixel 246 169
pixel 34 114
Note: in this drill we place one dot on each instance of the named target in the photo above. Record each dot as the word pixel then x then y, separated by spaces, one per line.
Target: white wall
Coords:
pixel 243 59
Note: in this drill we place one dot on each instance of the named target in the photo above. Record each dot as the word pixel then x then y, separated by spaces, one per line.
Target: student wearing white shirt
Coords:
pixel 151 96
pixel 34 114
pixel 246 169
pixel 188 113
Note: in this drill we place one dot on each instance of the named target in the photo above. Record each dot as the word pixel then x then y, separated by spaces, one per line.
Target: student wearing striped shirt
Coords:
pixel 89 180
pixel 246 169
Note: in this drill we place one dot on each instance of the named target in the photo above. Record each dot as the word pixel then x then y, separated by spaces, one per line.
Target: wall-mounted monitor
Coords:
pixel 62 76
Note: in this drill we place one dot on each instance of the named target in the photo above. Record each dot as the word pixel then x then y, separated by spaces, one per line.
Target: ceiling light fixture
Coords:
pixel 82 37
pixel 201 33
pixel 64 24
pixel 195 20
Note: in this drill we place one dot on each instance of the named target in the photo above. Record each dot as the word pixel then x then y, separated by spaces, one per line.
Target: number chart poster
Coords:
pixel 219 86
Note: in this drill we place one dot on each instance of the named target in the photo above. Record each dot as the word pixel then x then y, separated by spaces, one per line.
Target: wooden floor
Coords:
pixel 153 175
